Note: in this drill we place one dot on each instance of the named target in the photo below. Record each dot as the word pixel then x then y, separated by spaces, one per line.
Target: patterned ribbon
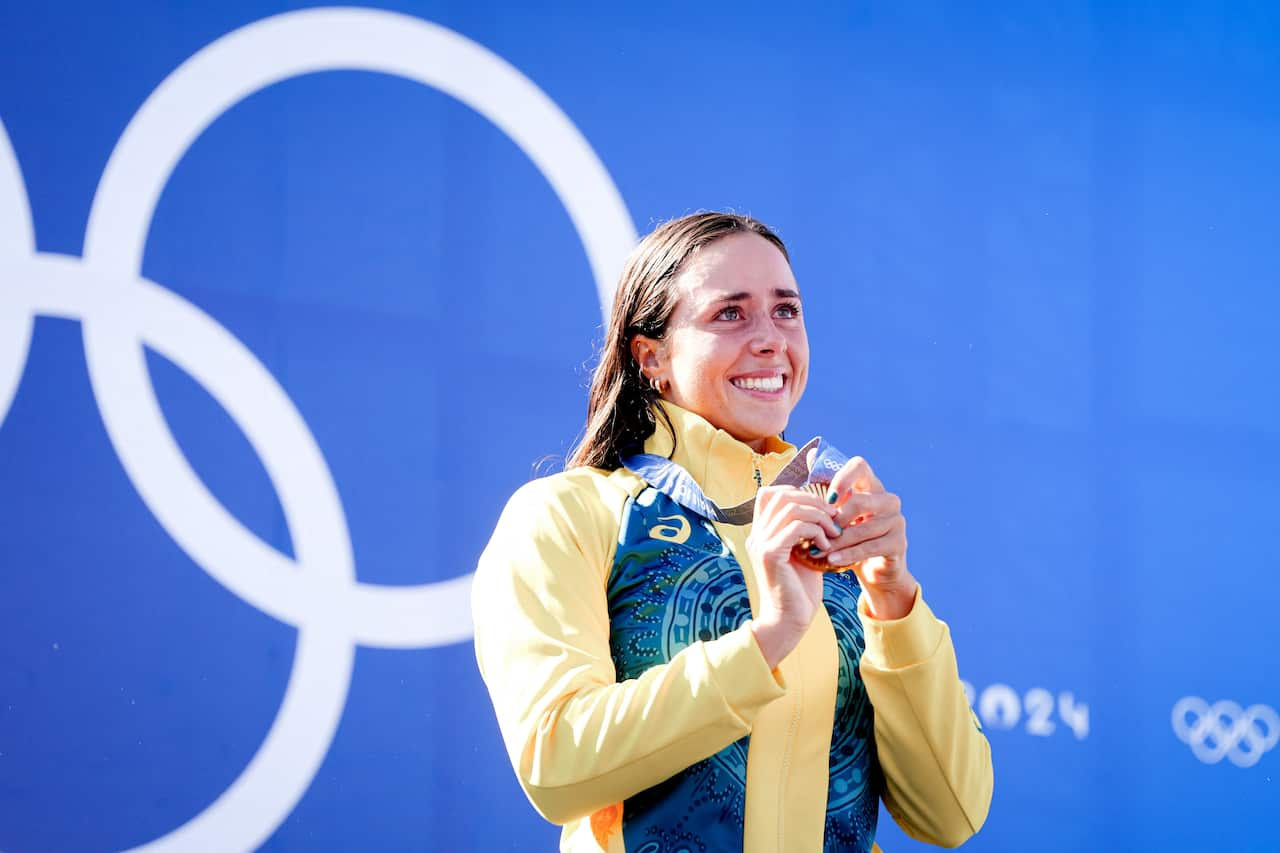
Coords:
pixel 678 484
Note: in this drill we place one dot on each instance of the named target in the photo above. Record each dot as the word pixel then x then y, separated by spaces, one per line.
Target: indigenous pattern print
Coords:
pixel 674 583
pixel 853 794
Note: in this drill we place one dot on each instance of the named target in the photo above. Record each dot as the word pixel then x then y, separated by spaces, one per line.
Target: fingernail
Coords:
pixel 831 496
pixel 838 529
pixel 814 550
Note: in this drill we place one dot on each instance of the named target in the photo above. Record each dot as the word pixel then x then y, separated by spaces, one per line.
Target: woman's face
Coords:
pixel 735 350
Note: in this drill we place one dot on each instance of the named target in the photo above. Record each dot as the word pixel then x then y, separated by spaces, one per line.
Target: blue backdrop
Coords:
pixel 276 346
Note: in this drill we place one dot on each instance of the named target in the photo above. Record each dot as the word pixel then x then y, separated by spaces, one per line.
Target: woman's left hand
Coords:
pixel 874 541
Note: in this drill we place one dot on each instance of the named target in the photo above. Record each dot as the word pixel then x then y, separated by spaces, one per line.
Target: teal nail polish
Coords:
pixel 839 530
pixel 814 550
pixel 831 496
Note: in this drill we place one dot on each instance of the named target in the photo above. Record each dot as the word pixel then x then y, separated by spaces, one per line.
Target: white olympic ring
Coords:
pixel 120 311
pixel 1219 730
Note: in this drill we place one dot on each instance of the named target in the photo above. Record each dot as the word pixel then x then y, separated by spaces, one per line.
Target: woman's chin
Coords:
pixel 757 434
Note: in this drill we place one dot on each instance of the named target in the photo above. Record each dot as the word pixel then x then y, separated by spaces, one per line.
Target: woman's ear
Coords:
pixel 648 353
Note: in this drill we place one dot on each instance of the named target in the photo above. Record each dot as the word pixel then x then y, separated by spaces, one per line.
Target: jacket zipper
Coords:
pixel 793 725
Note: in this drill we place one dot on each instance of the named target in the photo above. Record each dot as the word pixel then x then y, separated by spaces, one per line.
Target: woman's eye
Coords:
pixel 733 312
pixel 788 310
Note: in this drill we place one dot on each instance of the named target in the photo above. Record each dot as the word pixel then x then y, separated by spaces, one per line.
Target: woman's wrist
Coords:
pixel 889 603
pixel 775 639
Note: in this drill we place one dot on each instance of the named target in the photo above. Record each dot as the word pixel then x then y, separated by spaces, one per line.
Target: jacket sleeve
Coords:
pixel 936 760
pixel 578 739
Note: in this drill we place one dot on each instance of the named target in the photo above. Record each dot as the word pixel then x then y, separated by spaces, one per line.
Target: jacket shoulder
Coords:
pixel 579 510
pixel 579 493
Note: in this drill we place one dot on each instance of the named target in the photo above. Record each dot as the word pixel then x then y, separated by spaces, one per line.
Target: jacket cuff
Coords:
pixel 741 672
pixel 900 643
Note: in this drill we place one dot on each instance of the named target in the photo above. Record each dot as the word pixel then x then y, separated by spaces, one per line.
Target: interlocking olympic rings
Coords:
pixel 1225 730
pixel 120 311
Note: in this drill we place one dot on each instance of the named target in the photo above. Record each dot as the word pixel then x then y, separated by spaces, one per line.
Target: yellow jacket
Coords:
pixel 581 742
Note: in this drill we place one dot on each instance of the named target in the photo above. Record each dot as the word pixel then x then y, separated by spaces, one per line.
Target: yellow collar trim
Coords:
pixel 722 465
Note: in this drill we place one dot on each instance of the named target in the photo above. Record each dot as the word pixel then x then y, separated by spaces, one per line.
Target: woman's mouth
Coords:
pixel 759 384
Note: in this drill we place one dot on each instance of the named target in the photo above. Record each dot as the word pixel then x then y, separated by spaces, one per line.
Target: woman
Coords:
pixel 671 667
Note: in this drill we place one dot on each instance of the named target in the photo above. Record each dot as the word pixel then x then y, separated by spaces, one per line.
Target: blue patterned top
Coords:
pixel 674 582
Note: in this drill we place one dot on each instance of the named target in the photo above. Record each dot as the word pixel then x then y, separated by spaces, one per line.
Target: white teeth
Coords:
pixel 762 383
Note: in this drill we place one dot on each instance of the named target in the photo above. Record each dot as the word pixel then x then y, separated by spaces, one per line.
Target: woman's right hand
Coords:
pixel 789 592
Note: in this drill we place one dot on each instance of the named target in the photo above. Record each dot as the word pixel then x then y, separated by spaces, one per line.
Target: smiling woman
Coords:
pixel 734 349
pixel 668 670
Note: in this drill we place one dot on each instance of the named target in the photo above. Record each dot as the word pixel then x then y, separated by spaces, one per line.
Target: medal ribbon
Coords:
pixel 678 484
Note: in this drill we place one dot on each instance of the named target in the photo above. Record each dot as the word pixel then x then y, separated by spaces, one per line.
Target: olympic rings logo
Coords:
pixel 119 312
pixel 1225 730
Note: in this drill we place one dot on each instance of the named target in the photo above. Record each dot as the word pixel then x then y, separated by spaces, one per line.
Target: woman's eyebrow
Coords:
pixel 744 296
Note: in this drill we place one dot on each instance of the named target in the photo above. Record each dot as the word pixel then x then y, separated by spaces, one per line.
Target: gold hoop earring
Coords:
pixel 659 385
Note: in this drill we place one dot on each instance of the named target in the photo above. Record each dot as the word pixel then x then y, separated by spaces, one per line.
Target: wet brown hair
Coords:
pixel 620 407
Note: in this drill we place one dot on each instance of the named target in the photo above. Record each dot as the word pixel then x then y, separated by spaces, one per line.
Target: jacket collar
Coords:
pixel 723 466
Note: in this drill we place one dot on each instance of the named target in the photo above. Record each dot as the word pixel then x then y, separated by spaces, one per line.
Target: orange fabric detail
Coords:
pixel 605 822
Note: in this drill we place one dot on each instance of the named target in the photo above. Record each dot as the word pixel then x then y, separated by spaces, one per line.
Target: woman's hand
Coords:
pixel 790 594
pixel 874 541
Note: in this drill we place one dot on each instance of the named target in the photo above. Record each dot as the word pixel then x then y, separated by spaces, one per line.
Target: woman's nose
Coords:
pixel 767 338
